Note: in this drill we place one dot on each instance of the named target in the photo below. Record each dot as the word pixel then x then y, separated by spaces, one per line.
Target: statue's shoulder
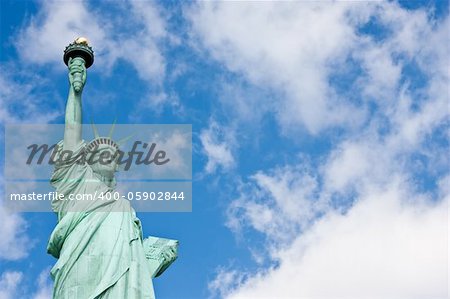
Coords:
pixel 63 159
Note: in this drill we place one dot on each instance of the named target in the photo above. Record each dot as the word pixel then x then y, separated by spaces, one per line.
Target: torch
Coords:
pixel 79 49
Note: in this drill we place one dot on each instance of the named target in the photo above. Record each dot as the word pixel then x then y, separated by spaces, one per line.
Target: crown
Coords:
pixel 105 140
pixel 79 48
pixel 101 140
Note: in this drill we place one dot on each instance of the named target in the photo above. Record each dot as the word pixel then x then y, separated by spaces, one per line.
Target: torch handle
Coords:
pixel 77 73
pixel 77 81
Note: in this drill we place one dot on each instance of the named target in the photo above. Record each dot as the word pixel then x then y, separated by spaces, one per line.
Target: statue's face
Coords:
pixel 106 161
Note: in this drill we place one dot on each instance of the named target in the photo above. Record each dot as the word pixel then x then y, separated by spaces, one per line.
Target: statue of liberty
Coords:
pixel 99 244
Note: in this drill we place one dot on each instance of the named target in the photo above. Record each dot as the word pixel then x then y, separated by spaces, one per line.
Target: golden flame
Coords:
pixel 82 40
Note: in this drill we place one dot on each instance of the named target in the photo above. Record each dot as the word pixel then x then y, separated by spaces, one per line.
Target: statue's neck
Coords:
pixel 110 182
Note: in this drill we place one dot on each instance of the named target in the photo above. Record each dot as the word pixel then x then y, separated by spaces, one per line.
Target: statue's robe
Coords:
pixel 98 243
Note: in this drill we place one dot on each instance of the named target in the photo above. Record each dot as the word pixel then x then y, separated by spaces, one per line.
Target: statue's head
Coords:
pixel 102 156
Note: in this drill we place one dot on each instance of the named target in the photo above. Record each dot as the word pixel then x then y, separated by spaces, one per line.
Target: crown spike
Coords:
pixel 111 131
pixel 94 129
pixel 123 140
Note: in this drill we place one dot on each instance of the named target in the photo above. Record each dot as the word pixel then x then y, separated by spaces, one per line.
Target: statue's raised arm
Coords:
pixel 73 119
pixel 78 56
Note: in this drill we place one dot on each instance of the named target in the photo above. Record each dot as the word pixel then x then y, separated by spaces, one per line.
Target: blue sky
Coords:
pixel 320 138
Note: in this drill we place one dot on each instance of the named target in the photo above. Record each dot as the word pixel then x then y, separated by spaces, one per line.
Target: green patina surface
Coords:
pixel 99 245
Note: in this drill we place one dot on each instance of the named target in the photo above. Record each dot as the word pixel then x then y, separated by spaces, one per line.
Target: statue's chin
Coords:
pixel 105 175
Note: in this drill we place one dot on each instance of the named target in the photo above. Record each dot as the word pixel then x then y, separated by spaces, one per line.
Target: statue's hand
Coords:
pixel 77 74
pixel 170 254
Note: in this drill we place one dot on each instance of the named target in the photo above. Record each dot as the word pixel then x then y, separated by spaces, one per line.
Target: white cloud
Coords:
pixel 297 48
pixel 134 35
pixel 279 204
pixel 387 238
pixel 217 145
pixel 57 24
pixel 45 286
pixel 280 45
pixel 143 47
pixel 15 243
pixel 224 278
pixel 9 284
pixel 24 98
pixel 381 249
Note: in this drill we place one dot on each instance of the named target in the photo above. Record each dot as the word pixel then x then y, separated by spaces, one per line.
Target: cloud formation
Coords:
pixel 381 248
pixel 280 46
pixel 216 146
pixel 136 35
pixel 365 221
pixel 9 284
